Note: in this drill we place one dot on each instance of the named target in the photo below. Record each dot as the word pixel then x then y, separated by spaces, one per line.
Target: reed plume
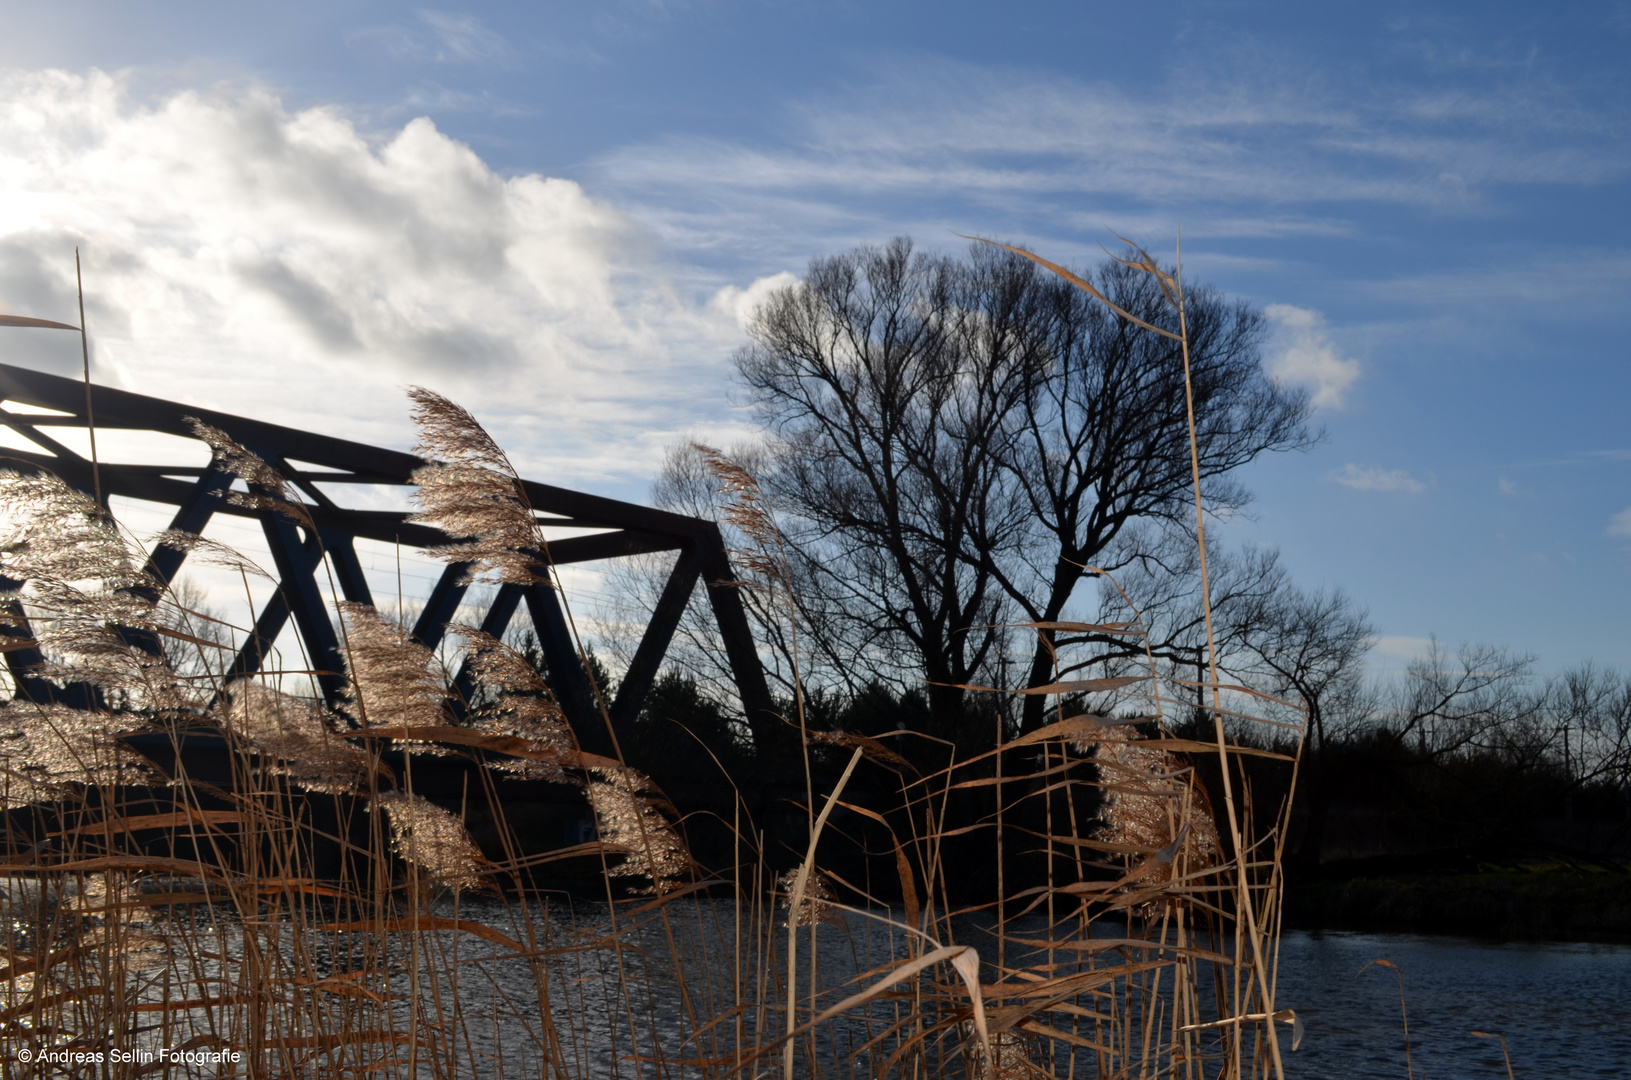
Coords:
pixel 50 751
pixel 84 589
pixel 396 681
pixel 268 489
pixel 295 737
pixel 212 553
pixel 471 490
pixel 1148 803
pixel 742 503
pixel 435 841
pixel 630 821
pixel 512 699
pixel 816 903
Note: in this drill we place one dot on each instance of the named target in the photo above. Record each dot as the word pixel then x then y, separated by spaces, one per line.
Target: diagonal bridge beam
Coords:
pixel 312 461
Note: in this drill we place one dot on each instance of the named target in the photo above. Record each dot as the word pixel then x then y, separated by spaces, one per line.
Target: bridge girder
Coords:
pixel 196 494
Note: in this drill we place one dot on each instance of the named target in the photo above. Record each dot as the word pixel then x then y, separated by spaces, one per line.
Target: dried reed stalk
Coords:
pixel 146 900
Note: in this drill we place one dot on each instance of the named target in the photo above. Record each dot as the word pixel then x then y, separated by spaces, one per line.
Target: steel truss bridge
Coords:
pixel 306 459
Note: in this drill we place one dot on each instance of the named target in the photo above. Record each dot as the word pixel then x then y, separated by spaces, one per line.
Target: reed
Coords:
pixel 1404 1012
pixel 306 911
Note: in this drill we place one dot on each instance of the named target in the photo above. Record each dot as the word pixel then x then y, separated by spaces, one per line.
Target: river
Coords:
pixel 1565 1008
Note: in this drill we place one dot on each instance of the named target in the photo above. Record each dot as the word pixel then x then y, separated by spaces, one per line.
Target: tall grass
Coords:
pixel 234 871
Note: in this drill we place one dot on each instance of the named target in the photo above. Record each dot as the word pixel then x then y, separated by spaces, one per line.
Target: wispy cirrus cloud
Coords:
pixel 1276 154
pixel 1372 478
pixel 436 36
pixel 463 38
pixel 1620 524
pixel 1550 285
pixel 1404 647
pixel 459 40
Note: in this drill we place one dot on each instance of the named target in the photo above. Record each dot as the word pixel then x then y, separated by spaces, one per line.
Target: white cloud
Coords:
pixel 1371 478
pixel 1304 355
pixel 1620 524
pixel 1507 487
pixel 739 303
pixel 284 264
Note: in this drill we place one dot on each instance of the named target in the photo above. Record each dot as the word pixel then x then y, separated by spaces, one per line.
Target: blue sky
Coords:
pixel 557 212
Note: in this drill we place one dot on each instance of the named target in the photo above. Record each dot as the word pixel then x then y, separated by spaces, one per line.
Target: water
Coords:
pixel 1565 1009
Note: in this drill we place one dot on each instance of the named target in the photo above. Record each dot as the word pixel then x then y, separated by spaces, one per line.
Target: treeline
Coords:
pixel 1464 759
pixel 976 474
pixel 1477 752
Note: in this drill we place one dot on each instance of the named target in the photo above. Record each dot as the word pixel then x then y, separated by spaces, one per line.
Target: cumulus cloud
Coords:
pixel 285 264
pixel 1620 524
pixel 739 304
pixel 1371 478
pixel 1303 355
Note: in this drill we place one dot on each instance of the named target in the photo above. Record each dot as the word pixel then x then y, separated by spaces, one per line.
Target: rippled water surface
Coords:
pixel 1565 1009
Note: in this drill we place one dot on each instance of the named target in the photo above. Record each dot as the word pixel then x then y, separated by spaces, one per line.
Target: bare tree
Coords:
pixel 1158 585
pixel 1446 705
pixel 957 441
pixel 1103 442
pixel 890 382
pixel 1592 733
pixel 204 650
pixel 1311 648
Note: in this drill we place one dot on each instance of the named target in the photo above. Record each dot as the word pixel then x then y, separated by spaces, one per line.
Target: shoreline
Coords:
pixel 1505 904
